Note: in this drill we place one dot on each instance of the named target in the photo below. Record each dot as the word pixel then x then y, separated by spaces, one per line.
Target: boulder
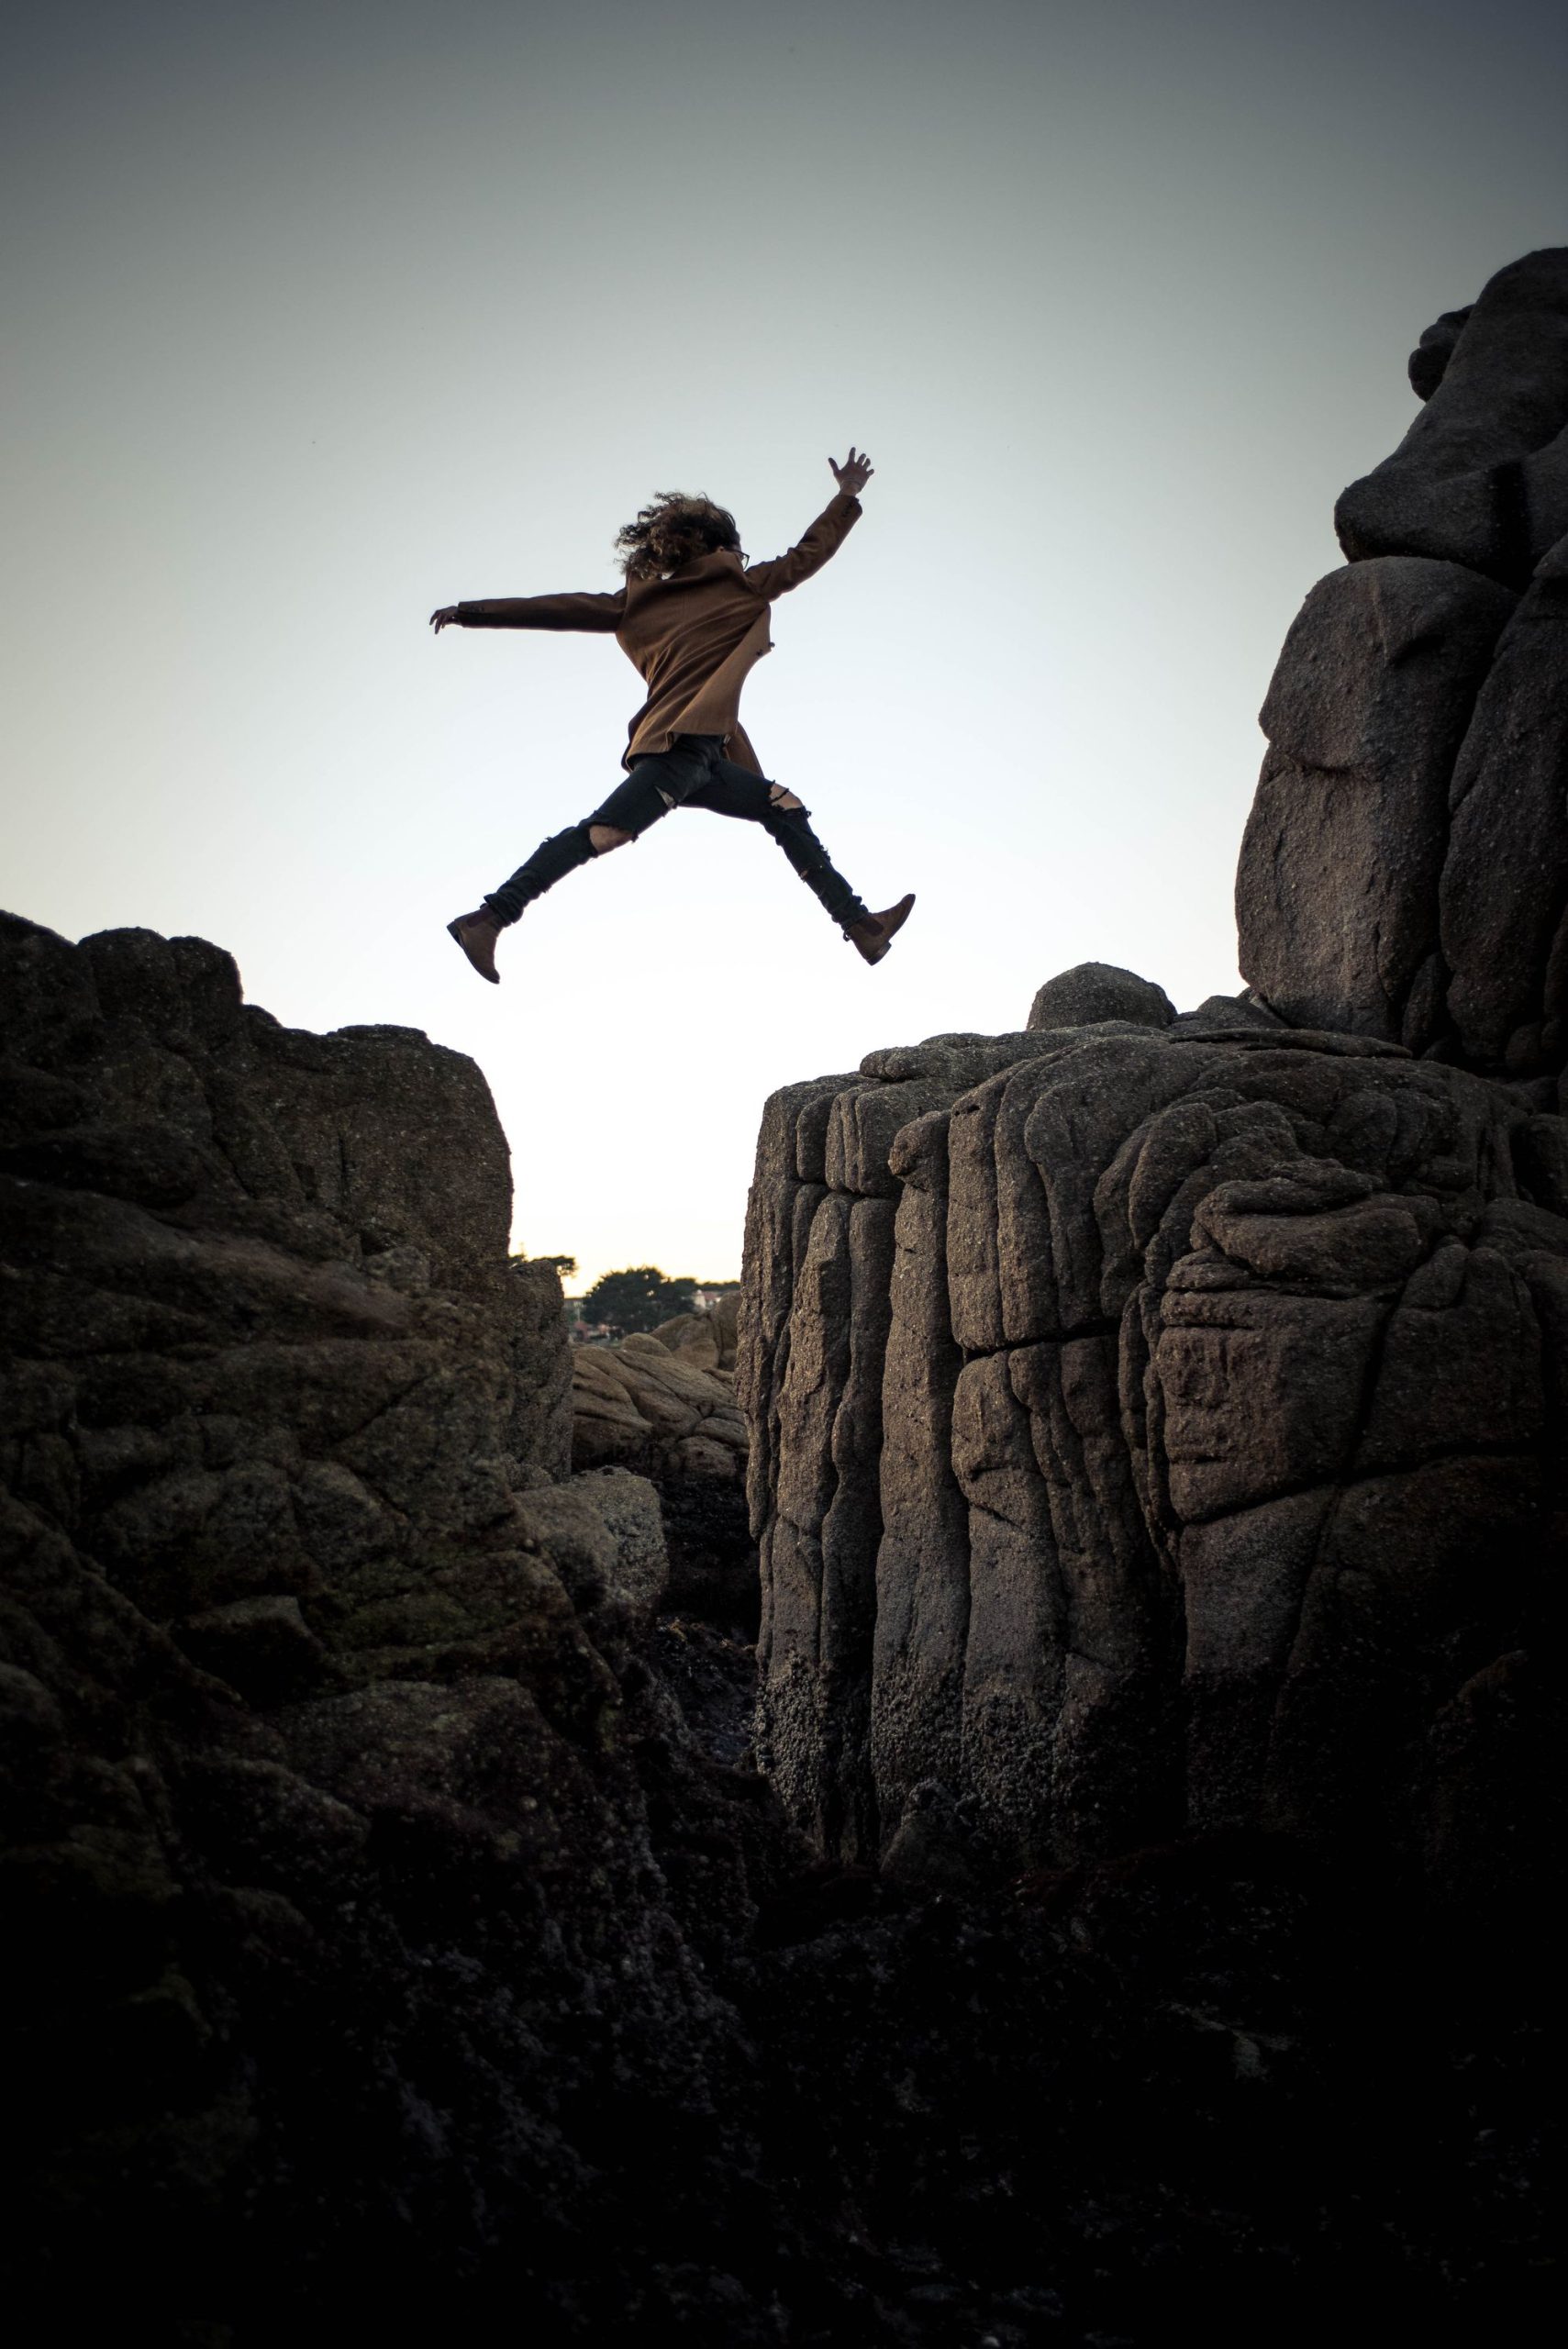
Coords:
pixel 663 1411
pixel 1337 889
pixel 1091 992
pixel 1481 478
pixel 648 1406
pixel 704 1340
pixel 1405 869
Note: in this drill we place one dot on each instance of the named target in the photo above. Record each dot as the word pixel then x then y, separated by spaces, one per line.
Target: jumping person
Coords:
pixel 691 617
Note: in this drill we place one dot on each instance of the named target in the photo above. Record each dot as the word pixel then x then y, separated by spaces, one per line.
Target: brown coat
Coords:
pixel 692 637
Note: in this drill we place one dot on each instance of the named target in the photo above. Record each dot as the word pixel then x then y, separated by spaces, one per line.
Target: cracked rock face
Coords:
pixel 1405 869
pixel 1160 1432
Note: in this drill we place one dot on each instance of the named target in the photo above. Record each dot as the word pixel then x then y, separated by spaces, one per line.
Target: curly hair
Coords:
pixel 671 530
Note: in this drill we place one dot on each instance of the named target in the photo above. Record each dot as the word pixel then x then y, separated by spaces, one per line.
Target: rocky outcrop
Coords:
pixel 704 1340
pixel 1158 1457
pixel 663 1405
pixel 1366 716
pixel 1404 870
pixel 1158 1431
pixel 335 1908
pixel 1159 1422
pixel 381 1887
pixel 649 1408
pixel 1481 478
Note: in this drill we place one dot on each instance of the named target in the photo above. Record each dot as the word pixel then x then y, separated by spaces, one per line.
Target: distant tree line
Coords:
pixel 639 1298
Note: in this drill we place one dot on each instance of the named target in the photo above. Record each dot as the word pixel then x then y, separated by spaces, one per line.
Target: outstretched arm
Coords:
pixel 599 615
pixel 825 537
pixel 853 473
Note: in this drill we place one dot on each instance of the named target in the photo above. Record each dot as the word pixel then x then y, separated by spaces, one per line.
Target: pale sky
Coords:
pixel 322 314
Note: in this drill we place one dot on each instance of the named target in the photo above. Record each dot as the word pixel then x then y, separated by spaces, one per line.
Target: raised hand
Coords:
pixel 445 617
pixel 853 474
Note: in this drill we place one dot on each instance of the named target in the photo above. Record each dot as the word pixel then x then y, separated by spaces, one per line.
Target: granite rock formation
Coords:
pixel 1156 1449
pixel 341 1930
pixel 1481 478
pixel 401 1937
pixel 1161 1423
pixel 1404 870
pixel 1155 1431
pixel 663 1405
pixel 704 1340
pixel 647 1407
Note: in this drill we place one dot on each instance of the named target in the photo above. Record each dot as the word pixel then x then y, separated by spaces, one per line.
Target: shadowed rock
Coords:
pixel 1481 478
pixel 1342 863
pixel 1405 869
pixel 1505 882
pixel 324 1840
pixel 1429 362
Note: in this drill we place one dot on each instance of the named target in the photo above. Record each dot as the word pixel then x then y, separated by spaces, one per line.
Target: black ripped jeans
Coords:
pixel 694 772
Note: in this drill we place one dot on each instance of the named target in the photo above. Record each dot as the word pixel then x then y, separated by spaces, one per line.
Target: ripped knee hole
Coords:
pixel 601 838
pixel 785 801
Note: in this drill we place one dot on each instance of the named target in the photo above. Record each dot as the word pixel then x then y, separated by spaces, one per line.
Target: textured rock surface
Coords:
pixel 1094 991
pixel 1161 1432
pixel 662 1407
pixel 1159 1457
pixel 1481 478
pixel 1159 1444
pixel 653 1410
pixel 342 1936
pixel 1369 708
pixel 380 1888
pixel 1404 870
pixel 704 1340
pixel 1505 883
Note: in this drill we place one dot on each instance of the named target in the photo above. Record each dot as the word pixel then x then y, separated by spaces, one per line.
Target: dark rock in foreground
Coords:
pixel 406 1936
pixel 328 1863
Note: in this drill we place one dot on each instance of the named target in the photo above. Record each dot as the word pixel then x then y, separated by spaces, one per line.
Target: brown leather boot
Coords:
pixel 874 936
pixel 476 933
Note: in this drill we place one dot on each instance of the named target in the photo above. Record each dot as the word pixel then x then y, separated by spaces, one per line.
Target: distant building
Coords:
pixel 712 1293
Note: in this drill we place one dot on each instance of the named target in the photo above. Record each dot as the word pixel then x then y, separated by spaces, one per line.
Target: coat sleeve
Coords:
pixel 599 615
pixel 824 538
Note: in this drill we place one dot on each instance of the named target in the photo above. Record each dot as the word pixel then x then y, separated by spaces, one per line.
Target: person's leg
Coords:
pixel 734 790
pixel 632 806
